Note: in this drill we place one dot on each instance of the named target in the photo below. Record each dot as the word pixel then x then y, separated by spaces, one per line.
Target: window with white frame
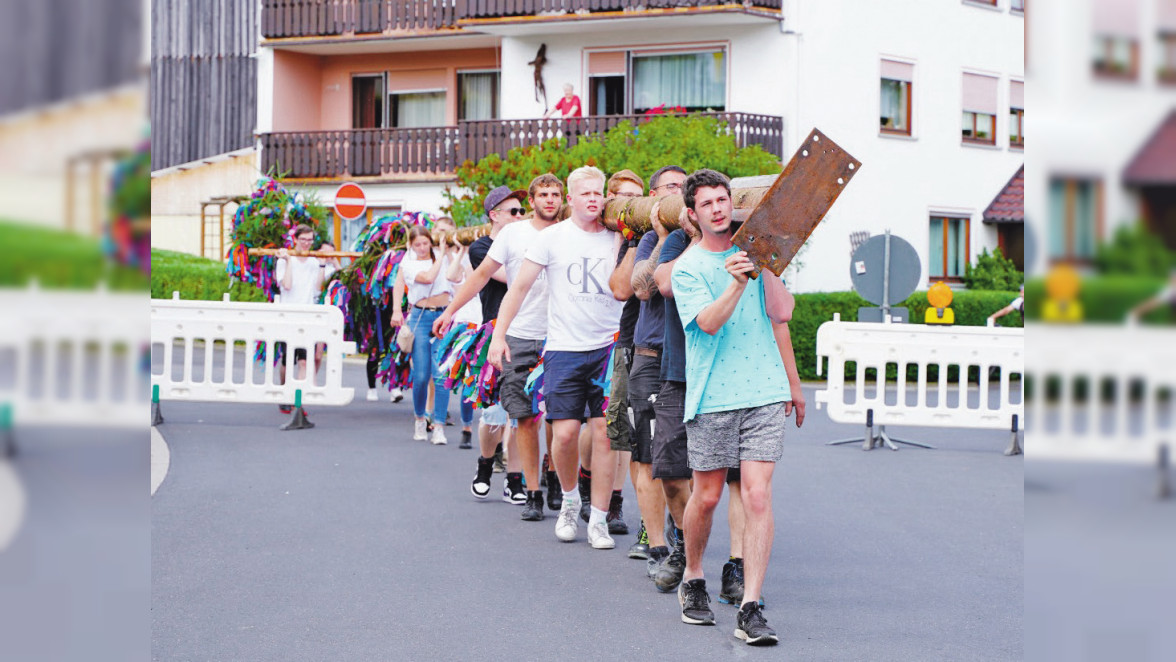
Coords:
pixel 418 108
pixel 949 247
pixel 1074 218
pixel 979 106
pixel 1116 39
pixel 1017 5
pixel 896 96
pixel 1017 113
pixel 692 81
pixel 477 95
pixel 1167 41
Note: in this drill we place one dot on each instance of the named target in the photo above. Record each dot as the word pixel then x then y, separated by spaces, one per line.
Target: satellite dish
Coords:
pixel 869 274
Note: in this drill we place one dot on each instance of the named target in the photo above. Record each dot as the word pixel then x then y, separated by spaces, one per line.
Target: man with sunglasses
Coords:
pixel 528 331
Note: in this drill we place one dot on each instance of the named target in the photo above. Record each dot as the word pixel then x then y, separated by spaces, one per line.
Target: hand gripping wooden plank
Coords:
pixel 790 211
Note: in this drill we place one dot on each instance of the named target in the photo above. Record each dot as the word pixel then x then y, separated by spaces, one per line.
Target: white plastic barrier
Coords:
pixel 220 325
pixel 939 404
pixel 73 358
pixel 1111 392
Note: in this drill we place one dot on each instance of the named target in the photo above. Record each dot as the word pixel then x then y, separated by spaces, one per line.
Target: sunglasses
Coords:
pixel 514 211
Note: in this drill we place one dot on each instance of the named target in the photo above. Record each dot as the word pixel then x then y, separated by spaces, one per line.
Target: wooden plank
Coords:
pixel 802 195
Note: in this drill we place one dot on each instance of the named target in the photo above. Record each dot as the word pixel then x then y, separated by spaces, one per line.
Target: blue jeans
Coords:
pixel 424 366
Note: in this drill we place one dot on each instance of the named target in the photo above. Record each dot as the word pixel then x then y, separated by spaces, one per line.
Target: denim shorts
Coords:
pixel 573 381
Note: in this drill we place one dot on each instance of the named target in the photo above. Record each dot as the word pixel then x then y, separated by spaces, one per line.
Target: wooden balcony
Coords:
pixel 436 152
pixel 283 19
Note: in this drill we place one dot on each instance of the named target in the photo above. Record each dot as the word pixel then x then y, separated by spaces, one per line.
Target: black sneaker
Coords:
pixel 499 464
pixel 751 626
pixel 481 485
pixel 544 469
pixel 554 494
pixel 669 573
pixel 512 489
pixel 585 497
pixel 640 548
pixel 696 603
pixel 466 439
pixel 732 590
pixel 616 516
pixel 533 510
pixel 657 555
pixel 286 409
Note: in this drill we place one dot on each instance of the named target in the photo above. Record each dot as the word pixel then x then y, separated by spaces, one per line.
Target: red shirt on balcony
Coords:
pixel 568 105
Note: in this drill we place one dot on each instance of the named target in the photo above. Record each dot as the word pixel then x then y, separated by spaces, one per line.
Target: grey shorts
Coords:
pixel 524 356
pixel 723 439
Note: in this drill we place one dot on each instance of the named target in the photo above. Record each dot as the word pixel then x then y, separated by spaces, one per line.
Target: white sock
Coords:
pixel 572 496
pixel 597 515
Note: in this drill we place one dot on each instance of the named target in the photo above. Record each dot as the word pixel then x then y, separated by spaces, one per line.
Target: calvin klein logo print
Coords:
pixel 581 273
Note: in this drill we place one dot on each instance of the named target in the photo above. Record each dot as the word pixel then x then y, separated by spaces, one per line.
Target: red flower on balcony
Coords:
pixel 662 110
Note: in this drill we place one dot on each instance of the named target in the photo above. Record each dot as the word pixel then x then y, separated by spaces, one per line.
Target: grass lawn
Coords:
pixel 58 259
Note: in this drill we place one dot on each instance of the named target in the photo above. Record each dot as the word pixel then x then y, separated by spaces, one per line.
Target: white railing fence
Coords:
pixel 71 358
pixel 189 336
pixel 1103 392
pixel 944 403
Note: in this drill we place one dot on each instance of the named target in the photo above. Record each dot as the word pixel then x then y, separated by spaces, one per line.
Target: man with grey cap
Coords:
pixel 528 330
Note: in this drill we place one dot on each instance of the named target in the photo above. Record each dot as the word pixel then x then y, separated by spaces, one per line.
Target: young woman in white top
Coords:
pixel 428 294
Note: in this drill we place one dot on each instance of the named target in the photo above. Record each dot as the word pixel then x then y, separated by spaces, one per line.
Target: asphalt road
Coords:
pixel 353 542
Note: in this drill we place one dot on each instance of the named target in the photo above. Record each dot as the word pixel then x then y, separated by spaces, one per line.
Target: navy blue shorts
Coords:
pixel 574 381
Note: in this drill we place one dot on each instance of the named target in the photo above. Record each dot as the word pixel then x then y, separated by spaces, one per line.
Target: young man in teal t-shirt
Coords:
pixel 738 395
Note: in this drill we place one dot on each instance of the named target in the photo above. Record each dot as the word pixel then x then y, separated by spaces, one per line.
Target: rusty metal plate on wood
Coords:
pixel 802 195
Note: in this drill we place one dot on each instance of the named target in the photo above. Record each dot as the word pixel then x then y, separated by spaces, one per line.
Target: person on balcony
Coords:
pixel 568 105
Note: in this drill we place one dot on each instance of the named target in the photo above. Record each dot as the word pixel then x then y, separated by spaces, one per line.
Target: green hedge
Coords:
pixel 1105 298
pixel 195 278
pixel 971 308
pixel 58 259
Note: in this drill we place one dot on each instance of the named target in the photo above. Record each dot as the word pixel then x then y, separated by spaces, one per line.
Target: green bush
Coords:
pixel 1134 251
pixel 993 271
pixel 814 309
pixel 57 259
pixel 195 278
pixel 1105 298
pixel 692 142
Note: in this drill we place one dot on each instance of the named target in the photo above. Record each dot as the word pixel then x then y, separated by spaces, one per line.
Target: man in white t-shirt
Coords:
pixel 576 258
pixel 300 281
pixel 526 337
pixel 1017 304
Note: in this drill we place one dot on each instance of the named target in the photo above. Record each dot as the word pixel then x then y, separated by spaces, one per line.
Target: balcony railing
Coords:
pixel 322 18
pixel 395 153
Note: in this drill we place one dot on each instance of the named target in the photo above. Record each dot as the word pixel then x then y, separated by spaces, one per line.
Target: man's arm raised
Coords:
pixel 511 303
pixel 778 301
pixel 468 290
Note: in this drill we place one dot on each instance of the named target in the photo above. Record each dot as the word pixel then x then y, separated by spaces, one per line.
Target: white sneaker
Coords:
pixel 568 522
pixel 397 395
pixel 372 397
pixel 439 435
pixel 598 536
pixel 418 431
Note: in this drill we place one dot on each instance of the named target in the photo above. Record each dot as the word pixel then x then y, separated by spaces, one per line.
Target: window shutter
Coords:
pixel 606 64
pixel 1117 18
pixel 901 71
pixel 979 94
pixel 1017 94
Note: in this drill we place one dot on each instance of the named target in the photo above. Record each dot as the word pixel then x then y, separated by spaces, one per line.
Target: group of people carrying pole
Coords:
pixel 669 327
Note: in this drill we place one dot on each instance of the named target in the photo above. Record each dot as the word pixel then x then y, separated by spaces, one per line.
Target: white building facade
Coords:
pixel 893 83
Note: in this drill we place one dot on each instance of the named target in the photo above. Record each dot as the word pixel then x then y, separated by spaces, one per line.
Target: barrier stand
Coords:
pixel 298 420
pixel 1163 487
pixel 868 442
pixel 6 430
pixel 156 416
pixel 1014 445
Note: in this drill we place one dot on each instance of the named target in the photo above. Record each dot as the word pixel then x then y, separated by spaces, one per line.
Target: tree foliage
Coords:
pixel 692 142
pixel 993 271
pixel 1134 251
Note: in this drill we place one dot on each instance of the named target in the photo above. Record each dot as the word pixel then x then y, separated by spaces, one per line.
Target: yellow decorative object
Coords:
pixel 939 296
pixel 1062 286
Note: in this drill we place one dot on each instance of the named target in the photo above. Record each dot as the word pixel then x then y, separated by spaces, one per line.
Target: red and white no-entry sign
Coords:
pixel 350 202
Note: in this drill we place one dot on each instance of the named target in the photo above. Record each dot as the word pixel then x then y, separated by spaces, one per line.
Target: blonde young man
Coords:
pixel 526 336
pixel 576 258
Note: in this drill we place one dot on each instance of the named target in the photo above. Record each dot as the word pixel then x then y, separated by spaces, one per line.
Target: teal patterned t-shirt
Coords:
pixel 740 366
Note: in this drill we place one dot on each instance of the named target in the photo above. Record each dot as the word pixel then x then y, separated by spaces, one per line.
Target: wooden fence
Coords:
pixel 439 150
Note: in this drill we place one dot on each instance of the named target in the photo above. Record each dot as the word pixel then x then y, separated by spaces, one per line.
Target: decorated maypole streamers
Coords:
pixel 268 220
pixel 363 290
pixel 128 233
pixel 465 361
